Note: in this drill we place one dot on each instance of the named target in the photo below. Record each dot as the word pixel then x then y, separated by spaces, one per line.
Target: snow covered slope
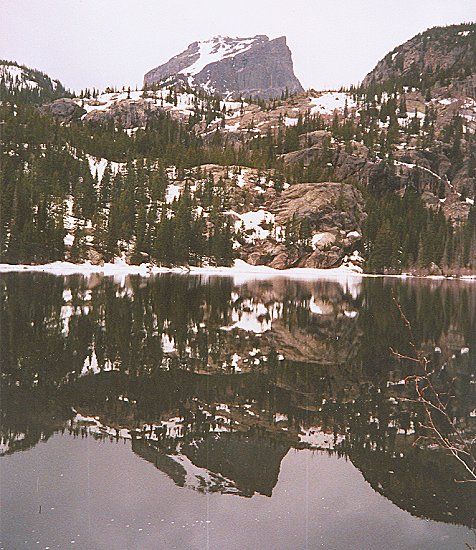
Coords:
pixel 32 85
pixel 16 77
pixel 216 49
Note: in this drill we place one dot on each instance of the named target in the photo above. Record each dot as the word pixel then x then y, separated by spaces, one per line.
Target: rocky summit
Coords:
pixel 247 67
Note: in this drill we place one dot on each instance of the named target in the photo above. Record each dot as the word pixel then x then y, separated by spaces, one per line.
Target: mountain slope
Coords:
pixel 256 67
pixel 28 85
pixel 432 58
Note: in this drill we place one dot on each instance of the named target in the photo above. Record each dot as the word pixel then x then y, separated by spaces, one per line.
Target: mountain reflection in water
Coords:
pixel 215 380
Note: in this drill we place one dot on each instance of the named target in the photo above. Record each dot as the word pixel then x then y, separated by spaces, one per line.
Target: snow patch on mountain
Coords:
pixel 329 102
pixel 216 49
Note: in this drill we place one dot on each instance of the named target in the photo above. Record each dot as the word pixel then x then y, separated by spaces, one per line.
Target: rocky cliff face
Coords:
pixel 357 165
pixel 334 213
pixel 256 67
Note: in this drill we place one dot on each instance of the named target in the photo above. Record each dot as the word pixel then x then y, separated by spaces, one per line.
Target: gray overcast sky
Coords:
pixel 89 43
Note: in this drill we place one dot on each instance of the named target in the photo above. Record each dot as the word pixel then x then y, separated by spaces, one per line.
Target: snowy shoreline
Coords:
pixel 239 268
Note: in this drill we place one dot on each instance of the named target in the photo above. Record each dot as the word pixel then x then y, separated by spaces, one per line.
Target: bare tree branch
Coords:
pixel 432 402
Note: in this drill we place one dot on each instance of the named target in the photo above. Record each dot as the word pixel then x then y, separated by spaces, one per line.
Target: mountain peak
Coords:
pixel 252 66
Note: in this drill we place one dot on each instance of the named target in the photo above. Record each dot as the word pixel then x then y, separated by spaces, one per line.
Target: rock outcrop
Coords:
pixel 64 109
pixel 128 114
pixel 327 206
pixel 334 213
pixel 256 67
pixel 426 171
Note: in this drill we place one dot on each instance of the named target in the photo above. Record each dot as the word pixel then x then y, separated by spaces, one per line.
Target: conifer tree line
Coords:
pixel 125 210
pixel 400 233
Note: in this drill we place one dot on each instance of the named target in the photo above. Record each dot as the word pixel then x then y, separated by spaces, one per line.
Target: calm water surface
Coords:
pixel 191 412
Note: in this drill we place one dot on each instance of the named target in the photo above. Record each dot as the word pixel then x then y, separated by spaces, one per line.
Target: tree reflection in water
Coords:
pixel 214 381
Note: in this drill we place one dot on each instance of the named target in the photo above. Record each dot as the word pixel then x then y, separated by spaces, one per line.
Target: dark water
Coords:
pixel 188 412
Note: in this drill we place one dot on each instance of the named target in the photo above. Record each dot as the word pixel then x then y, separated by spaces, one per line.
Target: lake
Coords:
pixel 192 411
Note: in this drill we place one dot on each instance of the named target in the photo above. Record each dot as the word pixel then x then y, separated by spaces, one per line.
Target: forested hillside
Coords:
pixel 381 175
pixel 24 85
